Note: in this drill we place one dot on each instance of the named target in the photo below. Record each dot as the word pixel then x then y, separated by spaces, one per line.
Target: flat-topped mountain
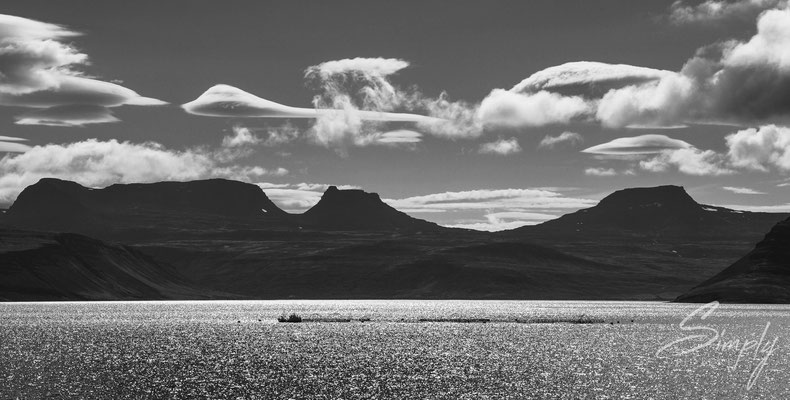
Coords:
pixel 658 211
pixel 120 210
pixel 213 196
pixel 762 276
pixel 357 209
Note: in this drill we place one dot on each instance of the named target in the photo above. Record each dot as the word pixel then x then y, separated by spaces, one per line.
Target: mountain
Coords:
pixel 63 266
pixel 358 210
pixel 666 211
pixel 136 210
pixel 762 276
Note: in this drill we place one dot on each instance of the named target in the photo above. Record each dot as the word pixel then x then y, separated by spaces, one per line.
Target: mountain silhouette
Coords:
pixel 762 276
pixel 359 210
pixel 657 211
pixel 120 210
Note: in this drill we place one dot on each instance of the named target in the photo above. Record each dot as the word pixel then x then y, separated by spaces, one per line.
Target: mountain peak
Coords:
pixel 668 196
pixel 357 209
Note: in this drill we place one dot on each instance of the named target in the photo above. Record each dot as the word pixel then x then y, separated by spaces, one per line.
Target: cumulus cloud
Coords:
pixel 731 83
pixel 762 149
pixel 501 147
pixel 503 108
pixel 565 138
pixel 689 161
pixel 644 144
pixel 96 163
pixel 714 11
pixel 38 69
pixel 741 190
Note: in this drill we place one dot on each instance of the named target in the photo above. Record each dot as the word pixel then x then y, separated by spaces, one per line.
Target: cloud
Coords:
pixel 501 208
pixel 401 136
pixel 72 115
pixel 12 139
pixel 741 190
pixel 297 197
pixel 501 146
pixel 587 78
pixel 40 70
pixel 228 101
pixel 689 161
pixel 594 171
pixel 502 108
pixel 242 136
pixel 96 163
pixel 730 83
pixel 778 208
pixel 760 149
pixel 644 144
pixel 715 11
pixel 13 147
pixel 485 199
pixel 499 221
pixel 565 138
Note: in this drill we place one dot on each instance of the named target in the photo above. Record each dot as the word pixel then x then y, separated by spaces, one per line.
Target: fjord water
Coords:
pixel 528 350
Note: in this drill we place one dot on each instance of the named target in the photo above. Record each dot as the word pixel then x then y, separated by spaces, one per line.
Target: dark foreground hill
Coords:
pixel 762 276
pixel 43 266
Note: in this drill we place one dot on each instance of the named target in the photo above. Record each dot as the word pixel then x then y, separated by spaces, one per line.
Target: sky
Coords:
pixel 486 115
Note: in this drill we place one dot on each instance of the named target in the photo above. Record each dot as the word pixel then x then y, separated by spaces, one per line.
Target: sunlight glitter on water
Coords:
pixel 235 349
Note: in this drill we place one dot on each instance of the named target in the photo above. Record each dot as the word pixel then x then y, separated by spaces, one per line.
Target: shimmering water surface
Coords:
pixel 528 350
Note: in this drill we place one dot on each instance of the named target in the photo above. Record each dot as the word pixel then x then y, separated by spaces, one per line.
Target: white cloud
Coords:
pixel 296 197
pixel 499 221
pixel 485 199
pixel 565 138
pixel 730 83
pixel 501 146
pixel 13 147
pixel 12 139
pixel 96 163
pixel 595 171
pixel 587 78
pixel 779 208
pixel 503 108
pixel 40 70
pixel 242 136
pixel 760 149
pixel 689 161
pixel 501 208
pixel 644 144
pixel 400 136
pixel 741 190
pixel 71 115
pixel 710 11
